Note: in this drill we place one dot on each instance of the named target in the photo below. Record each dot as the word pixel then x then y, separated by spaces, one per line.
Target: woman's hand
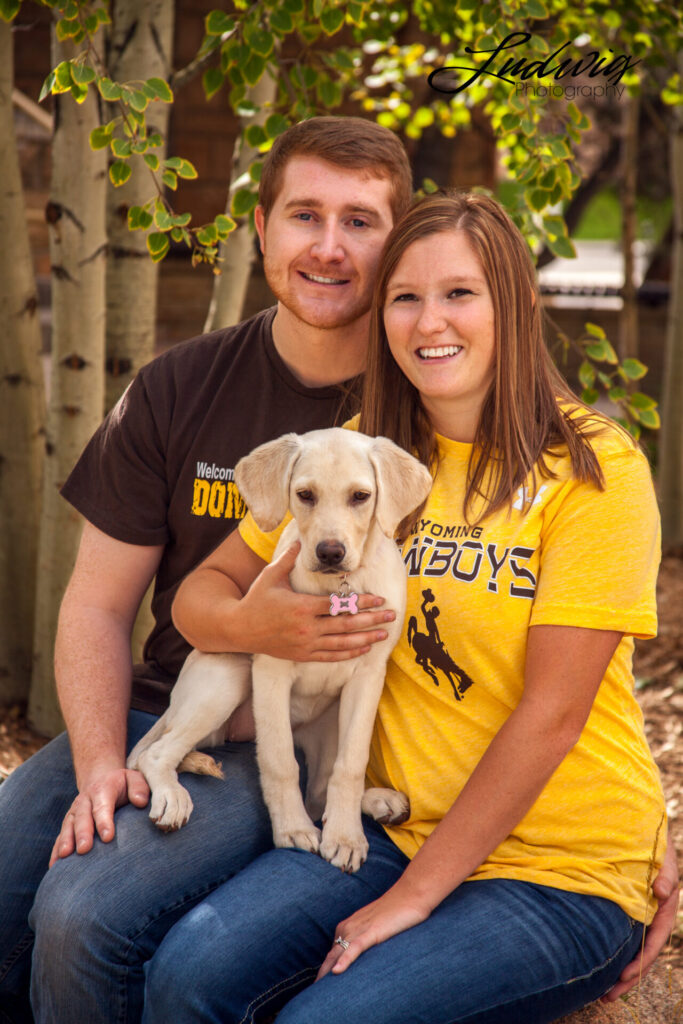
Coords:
pixel 390 914
pixel 666 889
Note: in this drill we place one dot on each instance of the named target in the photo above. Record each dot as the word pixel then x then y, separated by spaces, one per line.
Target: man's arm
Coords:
pixel 93 673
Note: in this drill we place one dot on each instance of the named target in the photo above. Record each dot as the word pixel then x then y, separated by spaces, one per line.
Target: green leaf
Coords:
pixel 590 396
pixel 224 225
pixel 207 235
pixel 255 136
pixel 47 87
pixel 79 92
pixel 137 99
pixel 110 91
pixel 187 169
pixel 100 138
pixel 63 80
pixel 649 418
pixel 616 394
pixel 255 171
pixel 121 147
pixel 212 80
pixel 158 245
pixel 536 198
pixel 119 173
pixel 602 352
pixel 275 125
pixel 217 23
pixel 563 247
pixel 162 218
pixel 634 369
pixel 259 40
pixel 152 161
pixel 178 235
pixel 243 202
pixel 161 89
pixel 586 374
pixel 641 401
pixel 281 21
pixel 332 20
pixel 595 330
pixel 170 179
pixel 67 28
pixel 253 69
pixel 536 9
pixel 9 9
pixel 82 74
pixel 181 220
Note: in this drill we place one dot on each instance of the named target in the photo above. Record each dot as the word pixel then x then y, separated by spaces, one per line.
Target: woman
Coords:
pixel 518 889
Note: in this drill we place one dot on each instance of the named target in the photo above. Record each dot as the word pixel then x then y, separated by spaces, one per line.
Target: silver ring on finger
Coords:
pixel 341 942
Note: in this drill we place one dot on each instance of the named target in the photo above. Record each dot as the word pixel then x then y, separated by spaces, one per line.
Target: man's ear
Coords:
pixel 260 225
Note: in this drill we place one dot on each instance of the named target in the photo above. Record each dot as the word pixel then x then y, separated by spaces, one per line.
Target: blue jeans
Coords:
pixel 98 917
pixel 494 952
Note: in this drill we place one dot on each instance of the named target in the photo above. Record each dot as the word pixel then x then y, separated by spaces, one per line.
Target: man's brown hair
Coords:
pixel 350 142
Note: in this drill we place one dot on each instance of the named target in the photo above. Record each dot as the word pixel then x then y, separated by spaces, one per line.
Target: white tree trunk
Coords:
pixel 237 252
pixel 22 412
pixel 141 42
pixel 76 215
pixel 671 436
pixel 141 47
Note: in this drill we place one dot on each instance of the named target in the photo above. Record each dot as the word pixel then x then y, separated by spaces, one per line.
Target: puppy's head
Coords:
pixel 336 483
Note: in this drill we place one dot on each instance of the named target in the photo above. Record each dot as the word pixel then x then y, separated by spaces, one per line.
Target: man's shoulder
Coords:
pixel 201 353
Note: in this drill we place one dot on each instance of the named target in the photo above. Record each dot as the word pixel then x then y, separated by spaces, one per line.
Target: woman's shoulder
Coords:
pixel 606 437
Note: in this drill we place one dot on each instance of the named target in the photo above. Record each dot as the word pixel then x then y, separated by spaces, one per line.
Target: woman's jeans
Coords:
pixel 231 946
pixel 494 952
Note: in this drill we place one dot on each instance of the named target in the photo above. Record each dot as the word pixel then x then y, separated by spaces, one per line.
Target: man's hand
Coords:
pixel 93 809
pixel 666 889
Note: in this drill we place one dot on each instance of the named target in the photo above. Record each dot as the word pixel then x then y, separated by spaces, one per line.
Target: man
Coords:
pixel 156 489
pixel 155 486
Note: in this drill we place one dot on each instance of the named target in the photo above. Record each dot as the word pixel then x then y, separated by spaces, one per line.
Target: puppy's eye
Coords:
pixel 306 497
pixel 358 497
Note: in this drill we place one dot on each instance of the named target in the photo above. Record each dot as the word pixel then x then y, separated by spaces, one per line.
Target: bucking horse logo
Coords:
pixel 430 651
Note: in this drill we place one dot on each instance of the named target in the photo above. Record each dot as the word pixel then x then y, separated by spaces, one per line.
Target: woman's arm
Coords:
pixel 234 601
pixel 564 668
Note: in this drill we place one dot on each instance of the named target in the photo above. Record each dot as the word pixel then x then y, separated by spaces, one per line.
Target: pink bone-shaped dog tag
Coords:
pixel 347 603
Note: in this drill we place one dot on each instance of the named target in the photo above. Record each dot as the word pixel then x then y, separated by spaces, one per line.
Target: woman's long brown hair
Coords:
pixel 529 411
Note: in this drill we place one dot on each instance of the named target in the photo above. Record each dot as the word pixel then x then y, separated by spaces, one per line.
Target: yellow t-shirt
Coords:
pixel 566 554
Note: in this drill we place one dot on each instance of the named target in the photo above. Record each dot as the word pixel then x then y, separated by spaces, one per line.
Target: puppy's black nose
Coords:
pixel 330 552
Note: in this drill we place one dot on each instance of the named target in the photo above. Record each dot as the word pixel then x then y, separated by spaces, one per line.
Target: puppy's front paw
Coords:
pixel 171 807
pixel 346 849
pixel 387 806
pixel 300 836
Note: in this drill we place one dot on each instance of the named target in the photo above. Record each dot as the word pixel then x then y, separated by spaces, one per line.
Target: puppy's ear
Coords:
pixel 403 483
pixel 263 479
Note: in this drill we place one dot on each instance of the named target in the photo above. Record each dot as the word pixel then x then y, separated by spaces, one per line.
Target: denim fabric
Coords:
pixel 494 952
pixel 99 916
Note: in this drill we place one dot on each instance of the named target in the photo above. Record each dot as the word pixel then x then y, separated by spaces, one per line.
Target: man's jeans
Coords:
pixel 100 916
pixel 494 952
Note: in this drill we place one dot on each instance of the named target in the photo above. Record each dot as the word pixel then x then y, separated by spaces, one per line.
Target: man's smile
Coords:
pixel 319 279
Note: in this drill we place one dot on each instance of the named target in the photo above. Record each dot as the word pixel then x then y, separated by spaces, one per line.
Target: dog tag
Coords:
pixel 345 601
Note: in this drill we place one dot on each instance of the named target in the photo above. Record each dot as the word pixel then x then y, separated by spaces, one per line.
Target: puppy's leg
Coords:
pixel 319 739
pixel 279 770
pixel 343 841
pixel 209 688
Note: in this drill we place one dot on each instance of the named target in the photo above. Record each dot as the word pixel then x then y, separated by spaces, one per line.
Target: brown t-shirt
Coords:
pixel 159 470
